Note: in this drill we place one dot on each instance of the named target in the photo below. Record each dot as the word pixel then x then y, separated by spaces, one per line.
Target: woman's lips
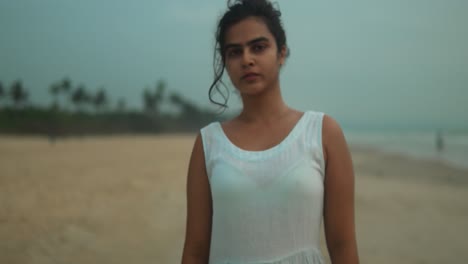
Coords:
pixel 250 76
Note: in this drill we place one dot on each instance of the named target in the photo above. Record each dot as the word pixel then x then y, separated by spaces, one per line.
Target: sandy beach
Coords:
pixel 121 199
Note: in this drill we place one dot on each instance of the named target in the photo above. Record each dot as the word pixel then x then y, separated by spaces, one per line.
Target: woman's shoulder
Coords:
pixel 329 123
pixel 209 127
pixel 330 126
pixel 332 135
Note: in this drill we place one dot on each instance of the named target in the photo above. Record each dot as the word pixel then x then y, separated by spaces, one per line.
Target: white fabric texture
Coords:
pixel 267 205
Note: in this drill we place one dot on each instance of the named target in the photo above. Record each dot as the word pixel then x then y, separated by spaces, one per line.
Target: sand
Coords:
pixel 121 199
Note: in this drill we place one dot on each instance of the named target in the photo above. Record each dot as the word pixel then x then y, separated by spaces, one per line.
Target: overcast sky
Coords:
pixel 362 61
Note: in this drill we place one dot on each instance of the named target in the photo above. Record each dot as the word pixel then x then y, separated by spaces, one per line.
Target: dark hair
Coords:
pixel 239 10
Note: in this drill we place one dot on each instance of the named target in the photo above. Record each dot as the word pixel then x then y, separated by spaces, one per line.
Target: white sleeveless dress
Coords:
pixel 267 205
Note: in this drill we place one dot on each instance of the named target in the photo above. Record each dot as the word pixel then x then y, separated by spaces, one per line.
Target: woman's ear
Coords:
pixel 283 54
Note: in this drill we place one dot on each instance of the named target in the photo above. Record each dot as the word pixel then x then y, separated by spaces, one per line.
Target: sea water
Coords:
pixel 416 144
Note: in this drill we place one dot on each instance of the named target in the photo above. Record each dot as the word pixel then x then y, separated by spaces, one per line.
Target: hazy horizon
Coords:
pixel 373 63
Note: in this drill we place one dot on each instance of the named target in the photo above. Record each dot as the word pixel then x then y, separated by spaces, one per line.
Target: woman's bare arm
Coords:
pixel 199 209
pixel 339 195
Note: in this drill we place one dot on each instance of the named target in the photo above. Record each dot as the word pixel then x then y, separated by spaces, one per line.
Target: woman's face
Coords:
pixel 251 56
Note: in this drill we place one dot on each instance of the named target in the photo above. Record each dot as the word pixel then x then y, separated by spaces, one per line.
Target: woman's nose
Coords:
pixel 247 59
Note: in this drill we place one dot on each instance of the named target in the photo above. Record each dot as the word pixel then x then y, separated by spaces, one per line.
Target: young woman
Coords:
pixel 259 184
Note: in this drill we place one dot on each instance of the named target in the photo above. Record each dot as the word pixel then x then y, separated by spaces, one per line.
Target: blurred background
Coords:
pixel 100 102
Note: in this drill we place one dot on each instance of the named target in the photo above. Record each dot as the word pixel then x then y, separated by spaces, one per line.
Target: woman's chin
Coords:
pixel 251 89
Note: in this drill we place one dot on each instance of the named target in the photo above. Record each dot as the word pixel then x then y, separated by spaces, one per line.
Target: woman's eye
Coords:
pixel 234 52
pixel 258 47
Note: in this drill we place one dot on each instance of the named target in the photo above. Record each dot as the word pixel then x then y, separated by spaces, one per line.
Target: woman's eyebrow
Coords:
pixel 250 42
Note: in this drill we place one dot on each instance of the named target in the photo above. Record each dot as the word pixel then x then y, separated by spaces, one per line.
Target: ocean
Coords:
pixel 415 144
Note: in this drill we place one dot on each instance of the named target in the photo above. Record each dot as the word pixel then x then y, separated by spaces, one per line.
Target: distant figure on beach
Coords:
pixel 52 136
pixel 52 139
pixel 260 185
pixel 439 142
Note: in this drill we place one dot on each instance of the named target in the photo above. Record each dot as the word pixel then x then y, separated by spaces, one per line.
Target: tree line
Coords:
pixel 74 109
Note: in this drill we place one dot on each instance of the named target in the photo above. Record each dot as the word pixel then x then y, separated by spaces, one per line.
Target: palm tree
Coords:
pixel 176 99
pixel 79 97
pixel 153 101
pixel 149 101
pixel 187 109
pixel 54 89
pixel 18 94
pixel 57 88
pixel 121 105
pixel 160 89
pixel 100 100
pixel 2 92
pixel 65 86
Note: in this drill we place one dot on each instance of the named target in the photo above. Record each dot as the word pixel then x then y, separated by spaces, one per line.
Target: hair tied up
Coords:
pixel 239 10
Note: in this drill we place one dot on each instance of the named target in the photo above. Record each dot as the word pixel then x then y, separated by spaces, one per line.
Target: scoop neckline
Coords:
pixel 264 152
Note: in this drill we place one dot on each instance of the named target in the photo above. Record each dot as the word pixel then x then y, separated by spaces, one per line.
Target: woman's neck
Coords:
pixel 265 107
